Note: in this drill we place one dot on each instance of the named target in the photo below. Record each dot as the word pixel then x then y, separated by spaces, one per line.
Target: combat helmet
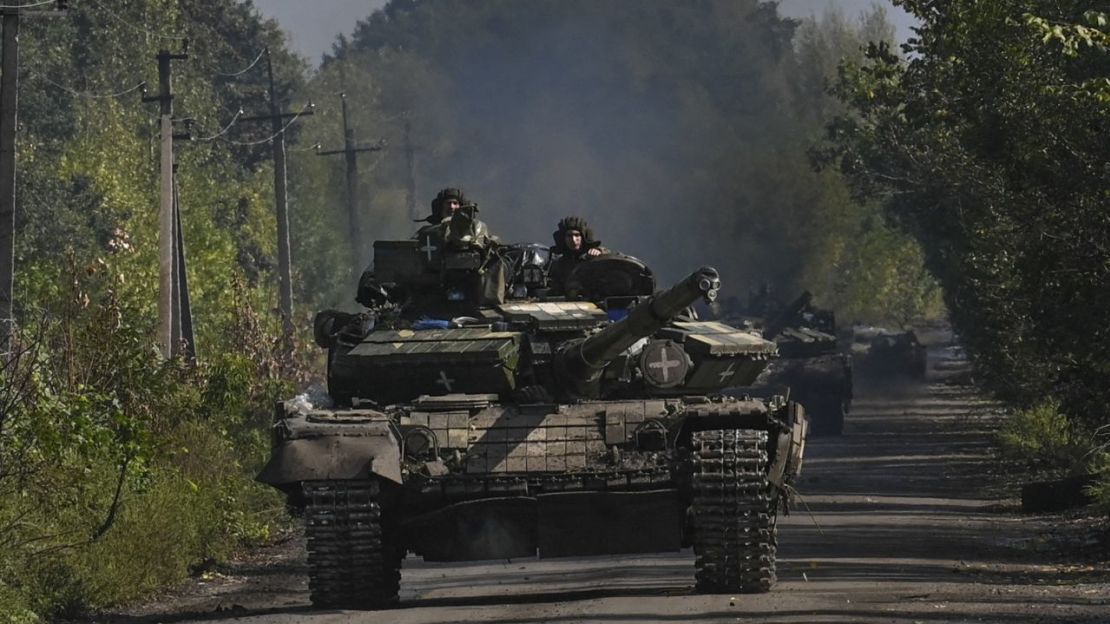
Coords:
pixel 567 224
pixel 441 198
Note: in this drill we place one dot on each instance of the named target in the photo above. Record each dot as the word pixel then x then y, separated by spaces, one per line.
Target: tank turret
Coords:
pixel 580 363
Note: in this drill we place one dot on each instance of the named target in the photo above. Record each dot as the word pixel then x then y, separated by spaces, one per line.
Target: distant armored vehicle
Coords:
pixel 889 353
pixel 474 418
pixel 811 367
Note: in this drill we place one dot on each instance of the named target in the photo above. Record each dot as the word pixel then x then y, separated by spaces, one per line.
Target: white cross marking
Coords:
pixel 664 363
pixel 429 248
pixel 443 379
pixel 727 374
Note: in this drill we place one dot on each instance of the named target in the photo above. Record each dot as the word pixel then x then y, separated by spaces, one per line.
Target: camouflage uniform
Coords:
pixel 443 230
pixel 459 230
pixel 565 259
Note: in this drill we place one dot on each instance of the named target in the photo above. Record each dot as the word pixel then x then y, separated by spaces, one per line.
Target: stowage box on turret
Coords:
pixel 474 418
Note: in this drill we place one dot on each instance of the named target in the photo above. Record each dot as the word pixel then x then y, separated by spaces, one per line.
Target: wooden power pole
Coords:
pixel 350 151
pixel 9 87
pixel 166 231
pixel 9 106
pixel 410 165
pixel 281 199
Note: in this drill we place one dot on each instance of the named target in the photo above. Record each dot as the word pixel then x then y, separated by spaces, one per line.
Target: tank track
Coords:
pixel 351 564
pixel 734 512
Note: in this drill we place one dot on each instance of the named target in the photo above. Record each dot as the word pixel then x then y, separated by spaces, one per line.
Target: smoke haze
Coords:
pixel 675 129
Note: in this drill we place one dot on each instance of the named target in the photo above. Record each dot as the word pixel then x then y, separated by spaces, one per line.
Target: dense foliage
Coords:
pixel 989 147
pixel 119 471
pixel 680 130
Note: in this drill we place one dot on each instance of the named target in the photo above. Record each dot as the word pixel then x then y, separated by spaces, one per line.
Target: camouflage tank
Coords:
pixel 883 353
pixel 474 418
pixel 812 365
pixel 812 369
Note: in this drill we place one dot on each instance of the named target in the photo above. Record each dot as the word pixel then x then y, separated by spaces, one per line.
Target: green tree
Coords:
pixel 987 146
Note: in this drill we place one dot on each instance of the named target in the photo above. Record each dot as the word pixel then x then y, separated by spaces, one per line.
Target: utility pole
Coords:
pixel 281 199
pixel 410 162
pixel 166 233
pixel 9 87
pixel 350 151
pixel 9 107
pixel 183 328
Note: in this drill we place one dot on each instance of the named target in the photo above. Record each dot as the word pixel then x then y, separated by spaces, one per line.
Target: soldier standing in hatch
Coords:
pixel 440 231
pixel 443 228
pixel 445 204
pixel 574 243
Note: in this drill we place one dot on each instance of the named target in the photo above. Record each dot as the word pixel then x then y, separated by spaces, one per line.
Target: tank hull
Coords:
pixel 553 480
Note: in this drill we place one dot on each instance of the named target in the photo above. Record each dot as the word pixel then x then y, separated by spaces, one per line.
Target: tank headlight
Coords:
pixel 420 443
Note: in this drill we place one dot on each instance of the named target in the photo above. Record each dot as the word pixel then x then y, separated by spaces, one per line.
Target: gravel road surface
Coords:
pixel 894 528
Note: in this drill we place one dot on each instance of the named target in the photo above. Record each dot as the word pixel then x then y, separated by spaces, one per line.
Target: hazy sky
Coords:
pixel 313 26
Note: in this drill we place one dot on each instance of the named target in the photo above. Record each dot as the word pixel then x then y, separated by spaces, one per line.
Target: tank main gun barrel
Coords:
pixel 581 362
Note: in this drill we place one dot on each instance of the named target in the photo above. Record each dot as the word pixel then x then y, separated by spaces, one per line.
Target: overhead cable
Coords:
pixel 223 131
pixel 87 94
pixel 136 27
pixel 245 69
pixel 272 136
pixel 27 6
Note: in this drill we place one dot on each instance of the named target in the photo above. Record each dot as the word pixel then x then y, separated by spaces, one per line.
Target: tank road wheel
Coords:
pixel 350 565
pixel 734 512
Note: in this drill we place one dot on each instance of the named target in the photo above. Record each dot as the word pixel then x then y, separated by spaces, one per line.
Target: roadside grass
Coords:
pixel 192 507
pixel 122 473
pixel 1044 442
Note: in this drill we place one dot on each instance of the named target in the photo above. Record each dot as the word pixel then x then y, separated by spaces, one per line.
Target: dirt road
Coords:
pixel 899 532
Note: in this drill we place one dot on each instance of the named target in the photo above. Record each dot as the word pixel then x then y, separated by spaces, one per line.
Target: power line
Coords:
pixel 315 147
pixel 225 129
pixel 27 6
pixel 136 28
pixel 273 136
pixel 245 69
pixel 87 94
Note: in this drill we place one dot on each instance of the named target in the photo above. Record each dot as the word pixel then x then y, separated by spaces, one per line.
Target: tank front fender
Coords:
pixel 791 445
pixel 347 452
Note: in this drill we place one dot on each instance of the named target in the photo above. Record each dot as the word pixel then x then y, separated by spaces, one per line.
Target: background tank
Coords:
pixel 473 418
pixel 816 372
pixel 885 353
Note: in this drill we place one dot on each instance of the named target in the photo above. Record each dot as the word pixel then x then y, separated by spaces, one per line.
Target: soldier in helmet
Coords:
pixel 454 221
pixel 574 243
pixel 453 224
pixel 445 204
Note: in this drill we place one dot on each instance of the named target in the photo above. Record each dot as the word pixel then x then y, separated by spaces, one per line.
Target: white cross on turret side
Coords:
pixel 445 381
pixel 664 364
pixel 728 372
pixel 428 248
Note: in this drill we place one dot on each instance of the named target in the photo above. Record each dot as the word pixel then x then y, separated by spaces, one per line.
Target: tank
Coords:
pixel 883 353
pixel 812 368
pixel 473 417
pixel 812 364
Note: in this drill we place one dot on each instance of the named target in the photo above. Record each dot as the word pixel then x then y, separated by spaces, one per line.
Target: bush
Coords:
pixel 122 472
pixel 1100 465
pixel 1043 437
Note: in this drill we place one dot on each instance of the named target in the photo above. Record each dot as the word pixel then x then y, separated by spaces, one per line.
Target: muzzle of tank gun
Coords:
pixel 709 284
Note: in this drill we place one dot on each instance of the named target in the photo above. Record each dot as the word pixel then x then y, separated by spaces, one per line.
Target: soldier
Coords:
pixel 443 228
pixel 445 204
pixel 432 237
pixel 574 243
